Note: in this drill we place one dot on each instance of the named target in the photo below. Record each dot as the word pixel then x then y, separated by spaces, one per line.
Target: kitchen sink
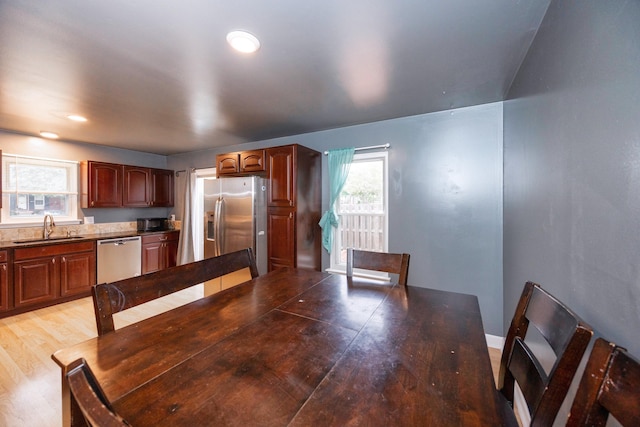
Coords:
pixel 50 239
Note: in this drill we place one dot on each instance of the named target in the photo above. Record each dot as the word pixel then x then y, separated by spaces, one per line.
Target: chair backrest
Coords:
pixel 110 298
pixel 90 398
pixel 567 336
pixel 610 385
pixel 379 261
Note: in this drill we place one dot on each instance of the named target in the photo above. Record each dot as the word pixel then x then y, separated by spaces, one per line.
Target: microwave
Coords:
pixel 152 224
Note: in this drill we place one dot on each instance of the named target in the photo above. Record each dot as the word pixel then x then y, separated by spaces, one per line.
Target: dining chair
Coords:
pixel 610 385
pixel 114 297
pixel 568 337
pixel 89 397
pixel 379 261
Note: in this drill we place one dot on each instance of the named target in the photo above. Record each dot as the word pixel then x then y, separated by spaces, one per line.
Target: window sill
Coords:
pixel 37 224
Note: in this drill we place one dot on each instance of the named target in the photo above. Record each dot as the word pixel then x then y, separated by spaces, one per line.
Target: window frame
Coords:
pixel 335 265
pixel 71 192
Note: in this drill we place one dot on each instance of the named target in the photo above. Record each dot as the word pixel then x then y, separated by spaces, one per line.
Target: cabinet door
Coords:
pixel 161 188
pixel 281 238
pixel 35 281
pixel 281 165
pixel 152 257
pixel 105 185
pixel 136 190
pixel 227 164
pixel 4 287
pixel 252 161
pixel 77 273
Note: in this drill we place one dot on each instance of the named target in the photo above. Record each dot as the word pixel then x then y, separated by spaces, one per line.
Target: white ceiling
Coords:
pixel 157 75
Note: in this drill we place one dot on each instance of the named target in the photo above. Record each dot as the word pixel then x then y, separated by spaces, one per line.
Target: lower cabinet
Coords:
pixel 159 251
pixel 4 281
pixel 44 274
pixel 77 272
pixel 281 224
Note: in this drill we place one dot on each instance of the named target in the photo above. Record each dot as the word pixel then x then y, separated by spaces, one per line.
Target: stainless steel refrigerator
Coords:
pixel 235 217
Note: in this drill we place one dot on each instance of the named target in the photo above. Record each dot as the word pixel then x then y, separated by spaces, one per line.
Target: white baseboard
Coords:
pixel 494 341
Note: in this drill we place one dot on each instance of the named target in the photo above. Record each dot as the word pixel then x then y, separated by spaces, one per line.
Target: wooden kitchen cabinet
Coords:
pixel 282 176
pixel 159 251
pixel 77 272
pixel 101 185
pixel 241 163
pixel 281 238
pixel 293 207
pixel 136 190
pixel 162 188
pixel 109 185
pixel 227 164
pixel 4 281
pixel 147 187
pixel 48 273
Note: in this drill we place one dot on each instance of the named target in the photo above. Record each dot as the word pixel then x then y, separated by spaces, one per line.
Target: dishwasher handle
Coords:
pixel 119 242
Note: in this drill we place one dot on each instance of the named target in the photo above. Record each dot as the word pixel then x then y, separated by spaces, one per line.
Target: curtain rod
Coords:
pixel 373 147
pixel 184 170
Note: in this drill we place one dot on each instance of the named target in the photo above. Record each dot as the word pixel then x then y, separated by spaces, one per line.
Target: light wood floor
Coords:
pixel 30 380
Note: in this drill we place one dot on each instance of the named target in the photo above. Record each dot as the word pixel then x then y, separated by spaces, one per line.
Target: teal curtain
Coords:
pixel 339 164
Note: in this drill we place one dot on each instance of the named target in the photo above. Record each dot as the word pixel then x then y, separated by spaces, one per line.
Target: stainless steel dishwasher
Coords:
pixel 119 259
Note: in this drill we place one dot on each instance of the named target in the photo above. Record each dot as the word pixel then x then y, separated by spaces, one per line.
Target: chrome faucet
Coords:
pixel 48 229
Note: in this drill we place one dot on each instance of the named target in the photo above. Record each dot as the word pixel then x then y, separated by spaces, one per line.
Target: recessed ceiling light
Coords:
pixel 50 135
pixel 76 118
pixel 243 42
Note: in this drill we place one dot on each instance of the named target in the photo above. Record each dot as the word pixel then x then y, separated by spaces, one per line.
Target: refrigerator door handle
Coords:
pixel 216 227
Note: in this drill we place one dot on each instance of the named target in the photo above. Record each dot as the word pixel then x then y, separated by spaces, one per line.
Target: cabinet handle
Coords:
pixel 290 202
pixel 4 267
pixel 53 261
pixel 290 215
pixel 64 259
pixel 93 203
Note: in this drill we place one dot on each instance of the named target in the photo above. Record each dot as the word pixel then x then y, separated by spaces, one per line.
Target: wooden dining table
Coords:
pixel 299 347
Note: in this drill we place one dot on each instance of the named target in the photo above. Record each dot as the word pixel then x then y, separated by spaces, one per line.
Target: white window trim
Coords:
pixel 8 222
pixel 341 268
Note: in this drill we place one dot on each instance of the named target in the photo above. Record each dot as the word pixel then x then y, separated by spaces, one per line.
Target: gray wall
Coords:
pixel 12 143
pixel 572 166
pixel 446 195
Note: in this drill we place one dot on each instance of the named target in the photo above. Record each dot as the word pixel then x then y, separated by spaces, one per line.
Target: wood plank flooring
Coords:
pixel 30 380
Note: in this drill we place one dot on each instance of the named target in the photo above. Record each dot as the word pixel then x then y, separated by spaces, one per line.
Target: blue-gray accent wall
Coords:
pixel 572 166
pixel 445 202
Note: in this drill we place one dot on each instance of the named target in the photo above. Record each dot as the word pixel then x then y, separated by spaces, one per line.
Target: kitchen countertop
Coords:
pixel 57 240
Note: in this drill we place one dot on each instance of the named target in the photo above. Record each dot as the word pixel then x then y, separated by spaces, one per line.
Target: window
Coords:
pixel 362 209
pixel 34 187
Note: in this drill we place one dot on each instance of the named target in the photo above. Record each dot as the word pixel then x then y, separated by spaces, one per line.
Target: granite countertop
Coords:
pixel 53 240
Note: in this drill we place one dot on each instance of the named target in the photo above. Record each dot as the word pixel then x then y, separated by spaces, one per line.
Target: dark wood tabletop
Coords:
pixel 300 347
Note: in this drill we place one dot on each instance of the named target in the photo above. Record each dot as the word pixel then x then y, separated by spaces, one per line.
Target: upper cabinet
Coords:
pixel 101 185
pixel 162 188
pixel 109 185
pixel 147 187
pixel 241 163
pixel 282 176
pixel 137 187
